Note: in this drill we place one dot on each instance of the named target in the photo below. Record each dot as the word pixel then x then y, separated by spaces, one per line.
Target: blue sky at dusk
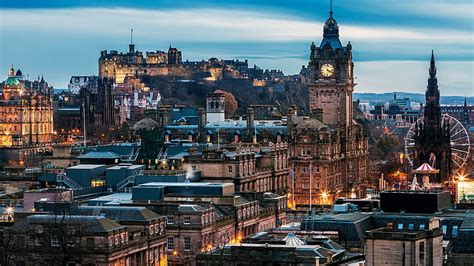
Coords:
pixel 392 39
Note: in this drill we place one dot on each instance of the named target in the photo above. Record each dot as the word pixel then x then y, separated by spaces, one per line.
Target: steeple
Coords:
pixel 432 113
pixel 331 31
pixel 432 88
pixel 432 66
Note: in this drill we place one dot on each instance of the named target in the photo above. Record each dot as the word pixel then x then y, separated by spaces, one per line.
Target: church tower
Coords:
pixel 331 81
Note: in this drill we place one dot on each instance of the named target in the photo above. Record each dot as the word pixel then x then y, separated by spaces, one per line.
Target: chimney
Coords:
pixel 250 119
pixel 165 115
pixel 292 113
pixel 318 114
pixel 201 124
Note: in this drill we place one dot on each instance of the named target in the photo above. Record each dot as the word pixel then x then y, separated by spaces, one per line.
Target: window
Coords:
pixel 400 226
pixel 170 220
pixel 411 226
pixel 421 251
pixel 116 240
pixel 170 243
pixel 54 242
pixel 111 241
pixel 187 243
pixel 445 228
pixel 187 220
pixel 455 230
pixel 193 167
pixel 229 168
pixel 422 227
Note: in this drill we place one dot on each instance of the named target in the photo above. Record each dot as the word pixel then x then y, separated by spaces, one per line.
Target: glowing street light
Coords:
pixel 461 179
pixel 324 196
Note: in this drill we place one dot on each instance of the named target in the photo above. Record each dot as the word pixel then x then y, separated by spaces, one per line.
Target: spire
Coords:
pixel 432 66
pixel 331 31
pixel 11 72
pixel 330 9
pixel 465 101
pixel 131 36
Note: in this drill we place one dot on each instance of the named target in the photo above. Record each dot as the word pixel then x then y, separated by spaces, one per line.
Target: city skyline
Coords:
pixel 392 41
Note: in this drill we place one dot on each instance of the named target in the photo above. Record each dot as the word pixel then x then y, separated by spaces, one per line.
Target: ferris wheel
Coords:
pixel 460 143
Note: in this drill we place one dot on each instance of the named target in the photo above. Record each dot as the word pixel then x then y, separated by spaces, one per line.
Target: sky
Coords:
pixel 392 39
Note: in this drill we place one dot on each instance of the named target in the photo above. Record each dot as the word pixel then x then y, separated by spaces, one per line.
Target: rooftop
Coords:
pixel 86 166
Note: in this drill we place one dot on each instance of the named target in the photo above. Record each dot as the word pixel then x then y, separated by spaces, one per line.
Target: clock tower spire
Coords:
pixel 331 81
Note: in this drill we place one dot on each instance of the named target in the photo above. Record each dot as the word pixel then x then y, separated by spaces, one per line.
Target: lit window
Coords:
pixel 455 230
pixel 187 243
pixel 422 227
pixel 187 220
pixel 445 228
pixel 411 226
pixel 400 226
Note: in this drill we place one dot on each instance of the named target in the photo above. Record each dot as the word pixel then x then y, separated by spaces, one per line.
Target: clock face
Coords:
pixel 327 70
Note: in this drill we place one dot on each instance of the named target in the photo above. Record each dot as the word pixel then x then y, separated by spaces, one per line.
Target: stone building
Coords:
pixel 120 236
pixel 405 247
pixel 26 119
pixel 260 170
pixel 120 66
pixel 198 222
pixel 328 149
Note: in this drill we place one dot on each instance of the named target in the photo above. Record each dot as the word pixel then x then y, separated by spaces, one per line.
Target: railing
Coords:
pixel 164 172
pixel 83 192
pixel 63 178
pixel 129 180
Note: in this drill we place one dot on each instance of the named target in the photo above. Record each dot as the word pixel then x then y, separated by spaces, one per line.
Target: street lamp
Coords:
pixel 324 196
pixel 461 180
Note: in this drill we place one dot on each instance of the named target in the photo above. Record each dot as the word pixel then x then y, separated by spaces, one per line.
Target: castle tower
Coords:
pixel 174 56
pixel 215 107
pixel 331 80
pixel 432 137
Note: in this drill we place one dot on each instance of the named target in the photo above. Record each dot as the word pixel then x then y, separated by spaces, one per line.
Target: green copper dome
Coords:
pixel 12 81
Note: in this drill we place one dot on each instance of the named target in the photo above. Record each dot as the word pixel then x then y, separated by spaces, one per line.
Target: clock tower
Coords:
pixel 331 81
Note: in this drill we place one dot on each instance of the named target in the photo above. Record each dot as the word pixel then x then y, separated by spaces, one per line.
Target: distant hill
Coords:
pixel 414 97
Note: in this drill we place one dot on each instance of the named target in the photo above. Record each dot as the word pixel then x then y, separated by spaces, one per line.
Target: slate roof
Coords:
pixel 191 208
pixel 122 213
pixel 90 224
pixel 100 155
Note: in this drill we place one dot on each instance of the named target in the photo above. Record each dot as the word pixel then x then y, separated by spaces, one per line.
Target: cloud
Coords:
pixel 206 25
pixel 61 42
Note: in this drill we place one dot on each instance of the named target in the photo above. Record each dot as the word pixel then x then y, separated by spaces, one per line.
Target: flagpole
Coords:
pixel 310 186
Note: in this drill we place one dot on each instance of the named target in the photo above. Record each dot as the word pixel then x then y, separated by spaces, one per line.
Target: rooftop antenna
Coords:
pixel 131 46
